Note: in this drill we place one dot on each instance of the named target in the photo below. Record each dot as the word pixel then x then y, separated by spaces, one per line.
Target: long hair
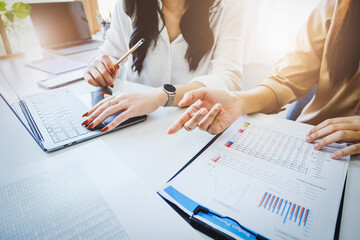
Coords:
pixel 194 26
pixel 343 51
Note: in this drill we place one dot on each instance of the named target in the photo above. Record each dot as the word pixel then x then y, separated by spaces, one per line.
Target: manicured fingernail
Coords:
pixel 218 106
pixel 308 139
pixel 103 94
pixel 334 156
pixel 202 112
pixel 90 126
pixel 117 67
pixel 85 114
pixel 316 146
pixel 112 85
pixel 113 71
pixel 105 129
pixel 85 122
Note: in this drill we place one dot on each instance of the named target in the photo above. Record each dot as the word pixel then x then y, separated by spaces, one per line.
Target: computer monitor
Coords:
pixel 59 24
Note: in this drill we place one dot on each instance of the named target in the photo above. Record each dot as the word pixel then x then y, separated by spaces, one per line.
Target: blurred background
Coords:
pixel 271 27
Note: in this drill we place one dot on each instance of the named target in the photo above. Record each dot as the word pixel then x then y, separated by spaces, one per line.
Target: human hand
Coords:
pixel 101 72
pixel 337 129
pixel 214 111
pixel 131 105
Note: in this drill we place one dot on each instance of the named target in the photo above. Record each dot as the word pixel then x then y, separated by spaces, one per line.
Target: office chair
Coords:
pixel 297 107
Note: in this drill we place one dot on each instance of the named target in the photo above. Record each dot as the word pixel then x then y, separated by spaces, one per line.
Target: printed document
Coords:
pixel 263 174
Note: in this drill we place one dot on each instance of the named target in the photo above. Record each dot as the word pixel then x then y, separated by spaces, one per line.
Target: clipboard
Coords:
pixel 215 233
pixel 200 225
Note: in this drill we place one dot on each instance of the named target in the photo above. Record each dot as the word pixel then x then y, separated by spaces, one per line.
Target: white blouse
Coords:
pixel 166 63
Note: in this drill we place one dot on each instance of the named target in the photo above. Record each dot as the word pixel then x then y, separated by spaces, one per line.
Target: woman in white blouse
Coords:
pixel 188 43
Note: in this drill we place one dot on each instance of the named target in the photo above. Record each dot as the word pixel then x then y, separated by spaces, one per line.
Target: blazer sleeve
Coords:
pixel 299 70
pixel 227 61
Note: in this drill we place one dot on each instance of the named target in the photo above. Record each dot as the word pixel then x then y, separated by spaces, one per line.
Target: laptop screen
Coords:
pixel 60 23
pixel 12 99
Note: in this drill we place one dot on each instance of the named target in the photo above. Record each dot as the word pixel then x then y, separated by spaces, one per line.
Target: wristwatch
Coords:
pixel 170 90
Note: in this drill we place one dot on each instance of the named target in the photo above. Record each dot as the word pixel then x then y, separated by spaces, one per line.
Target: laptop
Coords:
pixel 62 27
pixel 54 118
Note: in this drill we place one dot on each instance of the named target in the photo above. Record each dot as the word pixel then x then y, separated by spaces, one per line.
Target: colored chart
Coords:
pixel 289 211
pixel 273 147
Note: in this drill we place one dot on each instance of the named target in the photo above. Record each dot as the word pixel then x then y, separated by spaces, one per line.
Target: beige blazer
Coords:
pixel 305 66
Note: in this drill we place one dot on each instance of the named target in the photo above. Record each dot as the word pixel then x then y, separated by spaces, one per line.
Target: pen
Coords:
pixel 136 46
pixel 133 49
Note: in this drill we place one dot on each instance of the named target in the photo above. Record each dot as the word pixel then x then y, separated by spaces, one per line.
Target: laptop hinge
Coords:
pixel 31 122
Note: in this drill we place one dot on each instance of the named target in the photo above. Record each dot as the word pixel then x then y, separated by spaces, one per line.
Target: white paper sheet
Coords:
pixel 84 193
pixel 262 173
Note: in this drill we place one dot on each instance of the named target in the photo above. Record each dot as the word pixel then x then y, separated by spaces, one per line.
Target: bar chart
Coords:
pixel 287 210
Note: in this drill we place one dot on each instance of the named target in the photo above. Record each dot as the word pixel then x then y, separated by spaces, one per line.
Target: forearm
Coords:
pixel 257 100
pixel 180 91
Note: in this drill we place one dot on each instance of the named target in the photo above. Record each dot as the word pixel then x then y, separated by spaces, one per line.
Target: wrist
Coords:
pixel 241 101
pixel 161 96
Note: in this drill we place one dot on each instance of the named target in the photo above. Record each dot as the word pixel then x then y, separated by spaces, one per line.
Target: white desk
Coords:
pixel 145 147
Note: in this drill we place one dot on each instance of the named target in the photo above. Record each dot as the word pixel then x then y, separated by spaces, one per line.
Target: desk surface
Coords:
pixel 145 147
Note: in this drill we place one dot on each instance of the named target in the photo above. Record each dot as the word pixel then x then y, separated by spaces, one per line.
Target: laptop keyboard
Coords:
pixel 60 113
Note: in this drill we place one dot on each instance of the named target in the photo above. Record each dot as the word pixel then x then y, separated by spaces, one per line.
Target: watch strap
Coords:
pixel 170 99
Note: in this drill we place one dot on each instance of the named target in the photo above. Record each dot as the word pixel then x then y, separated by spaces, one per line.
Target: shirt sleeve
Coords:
pixel 226 66
pixel 299 70
pixel 118 35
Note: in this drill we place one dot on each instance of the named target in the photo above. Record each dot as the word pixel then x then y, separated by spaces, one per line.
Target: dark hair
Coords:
pixel 343 54
pixel 194 26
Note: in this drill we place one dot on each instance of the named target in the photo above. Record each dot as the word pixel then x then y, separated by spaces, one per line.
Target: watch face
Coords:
pixel 169 88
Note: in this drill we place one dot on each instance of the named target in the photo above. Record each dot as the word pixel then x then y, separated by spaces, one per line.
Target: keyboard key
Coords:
pixel 72 134
pixel 68 129
pixel 62 136
pixel 82 130
pixel 55 139
pixel 58 130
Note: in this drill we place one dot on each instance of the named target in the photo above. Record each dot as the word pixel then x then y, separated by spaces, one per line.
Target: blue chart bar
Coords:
pixel 276 201
pixel 267 200
pixel 292 211
pixel 281 201
pixel 301 215
pixel 306 216
pixel 287 210
pixel 262 199
pixel 297 212
pixel 272 199
pixel 284 208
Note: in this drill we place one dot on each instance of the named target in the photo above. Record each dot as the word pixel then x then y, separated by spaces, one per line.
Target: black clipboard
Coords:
pixel 215 233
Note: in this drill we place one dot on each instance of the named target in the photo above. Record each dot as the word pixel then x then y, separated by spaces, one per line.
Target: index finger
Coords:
pixel 108 64
pixel 179 124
